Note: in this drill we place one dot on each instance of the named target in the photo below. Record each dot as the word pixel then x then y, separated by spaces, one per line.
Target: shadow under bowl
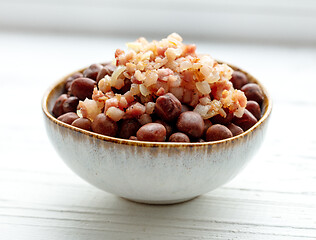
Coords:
pixel 151 172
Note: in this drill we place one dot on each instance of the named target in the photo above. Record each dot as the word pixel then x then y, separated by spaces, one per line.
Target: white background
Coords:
pixel 243 20
pixel 41 41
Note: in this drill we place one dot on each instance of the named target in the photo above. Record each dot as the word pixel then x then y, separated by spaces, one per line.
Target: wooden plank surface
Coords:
pixel 40 198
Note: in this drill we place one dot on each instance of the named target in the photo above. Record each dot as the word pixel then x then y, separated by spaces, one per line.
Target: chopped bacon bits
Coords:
pixel 148 70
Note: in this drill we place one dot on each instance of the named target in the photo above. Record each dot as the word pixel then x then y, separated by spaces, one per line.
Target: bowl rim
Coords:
pixel 49 92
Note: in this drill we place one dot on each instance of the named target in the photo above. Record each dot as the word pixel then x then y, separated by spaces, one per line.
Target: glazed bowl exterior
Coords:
pixel 148 172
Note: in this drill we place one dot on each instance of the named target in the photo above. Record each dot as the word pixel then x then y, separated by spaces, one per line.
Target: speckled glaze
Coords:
pixel 155 173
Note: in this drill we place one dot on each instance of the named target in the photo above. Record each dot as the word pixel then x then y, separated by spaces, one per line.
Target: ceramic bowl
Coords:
pixel 149 172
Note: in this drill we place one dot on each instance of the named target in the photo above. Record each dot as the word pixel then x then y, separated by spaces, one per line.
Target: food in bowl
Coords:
pixel 137 163
pixel 161 91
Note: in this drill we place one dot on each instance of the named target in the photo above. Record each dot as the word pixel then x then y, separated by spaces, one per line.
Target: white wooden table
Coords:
pixel 40 198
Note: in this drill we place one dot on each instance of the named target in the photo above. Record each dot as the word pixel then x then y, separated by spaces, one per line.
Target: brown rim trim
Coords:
pixel 264 117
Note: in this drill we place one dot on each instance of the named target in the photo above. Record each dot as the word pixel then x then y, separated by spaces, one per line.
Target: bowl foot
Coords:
pixel 160 202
